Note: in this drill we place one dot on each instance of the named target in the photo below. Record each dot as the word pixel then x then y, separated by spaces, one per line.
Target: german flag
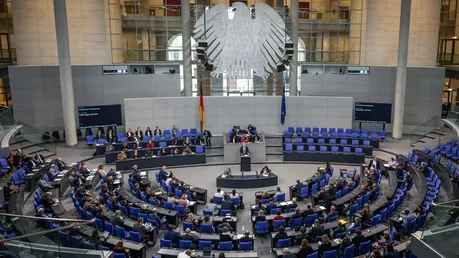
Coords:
pixel 201 107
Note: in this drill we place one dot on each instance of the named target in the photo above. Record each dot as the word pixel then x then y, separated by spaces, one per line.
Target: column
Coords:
pixel 186 48
pixel 294 8
pixel 354 31
pixel 65 71
pixel 402 61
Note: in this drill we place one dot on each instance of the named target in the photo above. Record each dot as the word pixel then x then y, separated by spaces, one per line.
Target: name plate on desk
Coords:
pixel 58 179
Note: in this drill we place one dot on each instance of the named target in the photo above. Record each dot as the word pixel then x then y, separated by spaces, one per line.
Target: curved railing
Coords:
pixel 26 235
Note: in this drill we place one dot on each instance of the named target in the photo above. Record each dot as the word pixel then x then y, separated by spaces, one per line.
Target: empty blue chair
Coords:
pixel 304 192
pixel 180 209
pixel 245 246
pixel 311 148
pixel 297 222
pixel 355 142
pixel 366 143
pixel 338 194
pixel 353 210
pixel 206 228
pixel 99 224
pixel 334 149
pixel 115 255
pixel 307 129
pixel 358 150
pixel 314 189
pixel 345 191
pixel 364 247
pixel 299 130
pixel 261 227
pixel 163 243
pixel 299 140
pixel 75 242
pixel 281 243
pixel 343 141
pixel 203 244
pixel 135 236
pixel 382 135
pixel 109 228
pixel 278 223
pixel 64 238
pixel 280 197
pixel 157 137
pixel 168 205
pixel 121 232
pixel 124 211
pixel 332 218
pixel 186 244
pixel 310 219
pixel 300 148
pixel 313 255
pixel 347 149
pixel 225 212
pixel 225 246
pixel 291 129
pixel 310 140
pixel 321 141
pixel 323 148
pixel 199 149
pixel 329 254
pixel 134 212
pixel 90 140
pixel 288 147
pixel 207 212
pixel 288 140
pixel 322 184
pixel 332 141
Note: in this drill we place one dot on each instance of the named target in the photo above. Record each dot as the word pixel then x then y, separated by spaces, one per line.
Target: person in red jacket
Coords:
pixel 245 138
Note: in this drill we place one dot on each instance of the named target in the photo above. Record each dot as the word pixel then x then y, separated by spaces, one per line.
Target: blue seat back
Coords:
pixel 206 228
pixel 281 243
pixel 203 244
pixel 329 254
pixel 135 236
pixel 165 243
pixel 245 246
pixel 186 244
pixel 225 246
pixel 364 247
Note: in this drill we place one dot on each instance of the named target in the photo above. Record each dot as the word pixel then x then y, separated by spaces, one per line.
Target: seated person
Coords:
pixel 261 216
pixel 325 245
pixel 332 213
pixel 61 165
pixel 281 234
pixel 174 130
pixel 278 192
pixel 187 141
pixel 190 237
pixel 175 142
pixel 227 204
pixel 172 198
pixel 139 134
pixel 316 230
pixel 140 228
pixel 163 151
pixel 305 249
pixel 211 206
pixel 116 219
pixel 109 148
pixel 297 214
pixel 391 252
pixel 8 191
pixel 176 151
pixel 154 216
pixel 246 237
pixel 309 210
pixel 356 224
pixel 278 216
pixel 43 185
pixel 244 138
pixel 136 154
pixel 163 174
pixel 234 194
pixel 385 239
pixel 219 193
pixel 226 224
pixel 52 173
pixel 339 230
pixel 183 201
pixel 122 156
pixel 150 144
pixel 358 239
pixel 157 131
pixel 345 242
pixel 225 236
pixel 47 201
pixel 187 150
pixel 119 249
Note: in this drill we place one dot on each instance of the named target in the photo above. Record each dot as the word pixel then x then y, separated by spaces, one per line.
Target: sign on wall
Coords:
pixel 242 42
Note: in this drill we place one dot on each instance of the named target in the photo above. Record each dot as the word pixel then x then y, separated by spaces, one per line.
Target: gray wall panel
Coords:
pixel 422 98
pixel 224 112
pixel 36 91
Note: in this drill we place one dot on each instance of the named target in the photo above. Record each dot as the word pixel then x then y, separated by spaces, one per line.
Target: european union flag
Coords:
pixel 283 108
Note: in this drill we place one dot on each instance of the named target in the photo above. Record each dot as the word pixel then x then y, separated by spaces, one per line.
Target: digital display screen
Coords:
pixel 99 116
pixel 373 112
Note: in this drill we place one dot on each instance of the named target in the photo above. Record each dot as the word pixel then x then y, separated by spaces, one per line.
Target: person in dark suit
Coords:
pixel 148 132
pixel 140 228
pixel 316 230
pixel 225 236
pixel 244 149
pixel 325 246
pixel 157 131
pixel 298 187
pixel 116 220
pixel 172 235
pixel 100 135
pixel 261 216
pixel 7 191
pixel 281 234
pixel 163 174
pixel 309 210
pixel 110 136
pixel 374 163
pixel 227 204
pixel 358 239
pixel 46 201
pixel 332 191
pixel 139 134
pixel 305 249
pixel 246 237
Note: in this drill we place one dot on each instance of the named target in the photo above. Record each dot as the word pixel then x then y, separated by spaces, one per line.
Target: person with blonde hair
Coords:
pixel 324 245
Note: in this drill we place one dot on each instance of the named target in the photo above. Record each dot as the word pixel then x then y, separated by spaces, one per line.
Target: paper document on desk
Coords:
pixel 89 178
pixel 143 173
pixel 386 165
pixel 116 182
pixel 192 203
pixel 283 203
pixel 58 179
pixel 289 202
pixel 223 176
pixel 157 193
pixel 322 207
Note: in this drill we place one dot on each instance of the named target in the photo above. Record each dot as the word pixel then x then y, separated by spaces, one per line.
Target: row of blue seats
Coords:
pixel 330 141
pixel 289 147
pixel 382 134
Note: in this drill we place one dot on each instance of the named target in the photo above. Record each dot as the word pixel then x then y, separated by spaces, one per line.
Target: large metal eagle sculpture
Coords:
pixel 234 46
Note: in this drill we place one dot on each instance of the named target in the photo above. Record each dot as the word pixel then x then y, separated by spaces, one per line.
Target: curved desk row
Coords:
pixel 173 253
pixel 32 178
pixel 246 181
pixel 111 157
pixel 421 186
pixel 371 233
pixel 382 200
pixel 339 157
pixel 373 142
pixel 451 188
pixel 157 162
pixel 172 217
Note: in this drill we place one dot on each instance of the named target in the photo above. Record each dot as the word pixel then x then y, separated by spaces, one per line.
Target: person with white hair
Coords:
pixel 46 200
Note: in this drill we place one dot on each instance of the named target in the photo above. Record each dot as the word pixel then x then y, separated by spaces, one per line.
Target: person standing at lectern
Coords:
pixel 374 163
pixel 244 149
